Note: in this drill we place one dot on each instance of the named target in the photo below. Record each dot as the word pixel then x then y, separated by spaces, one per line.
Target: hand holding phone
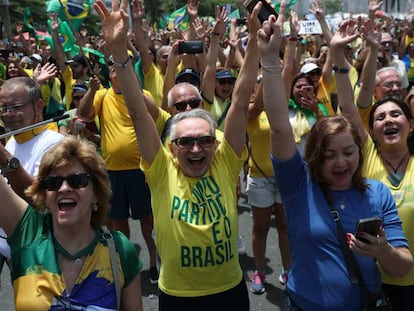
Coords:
pixel 265 11
pixel 368 225
pixel 190 47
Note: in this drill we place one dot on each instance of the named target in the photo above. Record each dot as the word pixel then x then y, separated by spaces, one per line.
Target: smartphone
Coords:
pixel 190 47
pixel 241 21
pixel 265 11
pixel 368 225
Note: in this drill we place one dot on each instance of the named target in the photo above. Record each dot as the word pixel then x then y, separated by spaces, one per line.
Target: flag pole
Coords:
pixel 76 38
pixel 32 126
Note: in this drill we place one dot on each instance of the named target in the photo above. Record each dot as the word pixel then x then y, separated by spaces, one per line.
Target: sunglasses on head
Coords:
pixel 193 103
pixel 226 81
pixel 75 181
pixel 188 142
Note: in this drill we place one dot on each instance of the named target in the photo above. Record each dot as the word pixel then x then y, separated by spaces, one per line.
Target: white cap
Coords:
pixel 309 67
pixel 36 57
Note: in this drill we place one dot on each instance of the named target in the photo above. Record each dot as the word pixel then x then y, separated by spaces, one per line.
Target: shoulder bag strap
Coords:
pixel 115 271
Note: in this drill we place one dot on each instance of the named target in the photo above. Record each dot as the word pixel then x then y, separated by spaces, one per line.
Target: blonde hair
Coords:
pixel 69 150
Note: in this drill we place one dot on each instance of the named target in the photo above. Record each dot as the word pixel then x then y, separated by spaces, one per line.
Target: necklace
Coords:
pixel 395 169
pixel 77 257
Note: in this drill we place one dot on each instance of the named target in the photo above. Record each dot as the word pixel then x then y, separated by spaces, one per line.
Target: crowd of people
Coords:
pixel 167 136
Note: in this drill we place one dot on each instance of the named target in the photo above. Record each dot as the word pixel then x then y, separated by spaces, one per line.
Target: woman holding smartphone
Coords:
pixel 387 154
pixel 328 175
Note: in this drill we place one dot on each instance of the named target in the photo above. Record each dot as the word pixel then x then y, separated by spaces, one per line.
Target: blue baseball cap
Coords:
pixel 187 72
pixel 224 74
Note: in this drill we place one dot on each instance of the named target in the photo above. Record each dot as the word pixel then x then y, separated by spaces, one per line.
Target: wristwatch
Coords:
pixel 11 165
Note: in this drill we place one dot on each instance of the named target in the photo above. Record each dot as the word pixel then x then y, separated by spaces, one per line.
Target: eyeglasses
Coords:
pixel 193 103
pixel 75 181
pixel 390 84
pixel 109 63
pixel 226 81
pixel 188 142
pixel 13 108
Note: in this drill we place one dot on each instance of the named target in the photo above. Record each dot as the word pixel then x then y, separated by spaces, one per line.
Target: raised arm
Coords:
pixel 372 40
pixel 274 97
pixel 236 119
pixel 208 84
pixel 346 33
pixel 137 12
pixel 115 28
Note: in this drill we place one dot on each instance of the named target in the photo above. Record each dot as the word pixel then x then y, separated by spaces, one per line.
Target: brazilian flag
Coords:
pixel 177 19
pixel 74 10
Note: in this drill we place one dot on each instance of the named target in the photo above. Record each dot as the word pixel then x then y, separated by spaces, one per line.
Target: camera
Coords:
pixel 190 47
pixel 265 11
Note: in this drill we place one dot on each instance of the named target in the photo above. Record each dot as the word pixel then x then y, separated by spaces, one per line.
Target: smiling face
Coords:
pixel 390 127
pixel 25 111
pixel 70 206
pixel 195 160
pixel 341 159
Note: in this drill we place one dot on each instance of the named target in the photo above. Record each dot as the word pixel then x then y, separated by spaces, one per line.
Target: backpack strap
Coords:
pixel 107 235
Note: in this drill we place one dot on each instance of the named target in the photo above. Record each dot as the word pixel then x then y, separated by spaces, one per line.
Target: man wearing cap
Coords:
pixel 75 70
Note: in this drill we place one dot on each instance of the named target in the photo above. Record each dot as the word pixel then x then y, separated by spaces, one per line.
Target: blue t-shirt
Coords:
pixel 318 277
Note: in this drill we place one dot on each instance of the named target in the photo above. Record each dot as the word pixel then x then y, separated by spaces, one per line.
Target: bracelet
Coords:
pixel 340 70
pixel 120 65
pixel 216 34
pixel 294 39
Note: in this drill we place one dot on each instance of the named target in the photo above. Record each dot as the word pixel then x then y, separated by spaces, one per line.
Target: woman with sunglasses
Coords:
pixel 60 256
pixel 327 178
pixel 387 158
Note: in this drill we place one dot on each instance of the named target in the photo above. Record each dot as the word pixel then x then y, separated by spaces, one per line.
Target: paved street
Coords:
pixel 272 299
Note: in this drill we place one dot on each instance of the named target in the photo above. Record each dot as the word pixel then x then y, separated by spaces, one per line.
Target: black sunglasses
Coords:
pixel 188 142
pixel 193 103
pixel 53 183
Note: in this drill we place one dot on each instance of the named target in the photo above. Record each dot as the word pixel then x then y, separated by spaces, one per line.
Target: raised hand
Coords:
pixel 269 37
pixel 192 9
pixel 347 32
pixel 200 28
pixel 317 10
pixel 374 5
pixel 294 24
pixel 137 10
pixel 115 24
pixel 221 19
pixel 370 35
pixel 45 72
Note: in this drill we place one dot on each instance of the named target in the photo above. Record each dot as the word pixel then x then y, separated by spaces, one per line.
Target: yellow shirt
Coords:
pixel 196 222
pixel 404 198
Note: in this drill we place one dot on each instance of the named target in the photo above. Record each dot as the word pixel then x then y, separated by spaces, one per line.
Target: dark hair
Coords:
pixel 405 109
pixel 319 137
pixel 301 76
pixel 387 99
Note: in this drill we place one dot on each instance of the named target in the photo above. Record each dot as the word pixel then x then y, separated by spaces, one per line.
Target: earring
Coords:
pixel 94 207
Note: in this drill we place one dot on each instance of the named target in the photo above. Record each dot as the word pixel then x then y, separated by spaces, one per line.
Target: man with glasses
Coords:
pixel 387 44
pixel 388 83
pixel 21 105
pixel 192 184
